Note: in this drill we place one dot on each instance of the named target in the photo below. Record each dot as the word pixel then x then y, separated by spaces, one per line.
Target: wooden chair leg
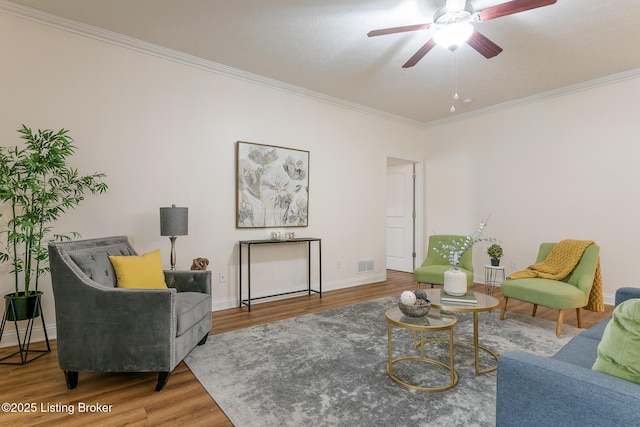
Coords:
pixel 504 307
pixel 535 310
pixel 560 320
pixel 579 316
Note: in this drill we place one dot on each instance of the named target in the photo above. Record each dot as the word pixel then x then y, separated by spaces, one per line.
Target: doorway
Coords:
pixel 402 214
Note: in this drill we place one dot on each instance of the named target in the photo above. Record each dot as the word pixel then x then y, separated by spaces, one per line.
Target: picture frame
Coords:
pixel 272 186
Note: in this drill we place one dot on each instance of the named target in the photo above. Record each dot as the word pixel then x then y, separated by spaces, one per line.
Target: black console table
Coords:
pixel 250 243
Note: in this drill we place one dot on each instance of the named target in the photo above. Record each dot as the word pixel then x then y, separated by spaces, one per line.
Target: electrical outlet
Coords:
pixel 222 277
pixel 338 264
pixel 513 263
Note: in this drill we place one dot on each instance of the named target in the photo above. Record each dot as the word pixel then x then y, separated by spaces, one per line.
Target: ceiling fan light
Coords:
pixel 453 35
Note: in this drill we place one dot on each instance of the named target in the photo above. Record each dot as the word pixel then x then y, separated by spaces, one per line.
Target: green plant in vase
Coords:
pixel 37 186
pixel 455 281
pixel 454 250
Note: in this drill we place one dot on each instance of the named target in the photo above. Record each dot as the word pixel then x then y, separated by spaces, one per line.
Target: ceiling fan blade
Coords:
pixel 419 54
pixel 511 7
pixel 486 47
pixel 406 28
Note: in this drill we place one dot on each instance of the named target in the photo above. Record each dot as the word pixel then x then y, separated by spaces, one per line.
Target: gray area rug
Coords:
pixel 328 369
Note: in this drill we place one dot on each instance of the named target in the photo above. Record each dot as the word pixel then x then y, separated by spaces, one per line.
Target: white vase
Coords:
pixel 455 282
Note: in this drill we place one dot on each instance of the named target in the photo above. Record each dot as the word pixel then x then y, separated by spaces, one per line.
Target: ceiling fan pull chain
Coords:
pixel 454 80
pixel 455 73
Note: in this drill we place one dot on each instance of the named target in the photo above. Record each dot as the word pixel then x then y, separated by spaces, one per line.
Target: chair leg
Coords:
pixel 72 379
pixel 504 307
pixel 162 380
pixel 579 316
pixel 560 320
pixel 535 310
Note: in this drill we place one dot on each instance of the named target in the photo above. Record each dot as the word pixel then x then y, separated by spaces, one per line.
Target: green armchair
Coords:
pixel 571 292
pixel 432 269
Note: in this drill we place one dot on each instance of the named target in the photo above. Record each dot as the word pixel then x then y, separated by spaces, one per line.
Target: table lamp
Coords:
pixel 174 222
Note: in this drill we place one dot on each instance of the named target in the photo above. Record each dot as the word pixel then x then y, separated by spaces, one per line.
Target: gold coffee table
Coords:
pixel 429 323
pixel 485 303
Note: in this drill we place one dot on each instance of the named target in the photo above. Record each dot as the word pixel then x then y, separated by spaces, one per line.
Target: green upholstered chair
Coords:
pixel 432 269
pixel 571 292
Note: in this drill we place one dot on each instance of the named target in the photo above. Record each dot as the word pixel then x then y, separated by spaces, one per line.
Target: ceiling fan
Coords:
pixel 454 27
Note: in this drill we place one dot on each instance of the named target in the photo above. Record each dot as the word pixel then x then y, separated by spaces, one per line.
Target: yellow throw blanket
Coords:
pixel 561 261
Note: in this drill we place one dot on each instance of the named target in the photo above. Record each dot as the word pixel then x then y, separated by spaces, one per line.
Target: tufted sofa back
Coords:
pixel 93 260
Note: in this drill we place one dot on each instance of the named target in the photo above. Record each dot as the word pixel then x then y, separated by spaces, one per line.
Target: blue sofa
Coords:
pixel 562 390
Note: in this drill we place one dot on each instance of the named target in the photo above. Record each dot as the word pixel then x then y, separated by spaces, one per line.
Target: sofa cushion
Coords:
pixel 546 292
pixel 140 271
pixel 191 307
pixel 620 345
pixel 582 351
pixel 597 331
pixel 94 262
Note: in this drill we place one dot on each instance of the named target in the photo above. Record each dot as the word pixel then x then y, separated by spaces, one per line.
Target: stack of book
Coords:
pixel 468 298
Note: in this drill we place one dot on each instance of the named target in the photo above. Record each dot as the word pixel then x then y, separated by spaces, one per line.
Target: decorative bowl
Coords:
pixel 416 310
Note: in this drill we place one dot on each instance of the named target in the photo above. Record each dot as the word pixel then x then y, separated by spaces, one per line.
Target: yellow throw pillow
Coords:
pixel 142 271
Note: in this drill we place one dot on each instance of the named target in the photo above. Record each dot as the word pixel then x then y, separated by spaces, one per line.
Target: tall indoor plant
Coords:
pixel 37 185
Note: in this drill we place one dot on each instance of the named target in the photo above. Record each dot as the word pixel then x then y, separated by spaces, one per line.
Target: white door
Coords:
pixel 400 216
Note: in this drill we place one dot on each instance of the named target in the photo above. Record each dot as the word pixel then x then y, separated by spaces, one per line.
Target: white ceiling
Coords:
pixel 322 46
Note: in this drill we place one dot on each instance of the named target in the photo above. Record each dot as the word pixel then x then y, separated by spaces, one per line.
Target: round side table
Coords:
pixel 421 325
pixel 494 275
pixel 483 303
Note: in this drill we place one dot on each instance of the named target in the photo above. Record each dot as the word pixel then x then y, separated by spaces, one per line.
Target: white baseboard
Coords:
pixel 10 339
pixel 326 286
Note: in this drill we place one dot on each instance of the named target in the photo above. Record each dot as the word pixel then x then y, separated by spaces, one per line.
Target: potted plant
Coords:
pixel 495 253
pixel 37 185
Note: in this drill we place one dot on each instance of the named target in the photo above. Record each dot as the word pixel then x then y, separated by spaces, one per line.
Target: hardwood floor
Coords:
pixel 131 398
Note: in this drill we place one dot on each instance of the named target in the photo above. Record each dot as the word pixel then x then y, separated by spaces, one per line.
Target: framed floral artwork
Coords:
pixel 272 186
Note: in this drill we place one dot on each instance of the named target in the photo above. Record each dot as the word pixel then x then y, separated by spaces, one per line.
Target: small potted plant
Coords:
pixel 495 252
pixel 37 186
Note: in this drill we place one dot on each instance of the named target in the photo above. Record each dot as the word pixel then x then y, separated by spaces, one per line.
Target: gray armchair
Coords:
pixel 103 328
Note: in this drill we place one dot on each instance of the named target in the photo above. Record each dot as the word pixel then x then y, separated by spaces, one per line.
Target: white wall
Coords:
pixel 165 133
pixel 561 168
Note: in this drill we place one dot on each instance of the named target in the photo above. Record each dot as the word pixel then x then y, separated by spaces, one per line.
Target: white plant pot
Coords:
pixel 455 282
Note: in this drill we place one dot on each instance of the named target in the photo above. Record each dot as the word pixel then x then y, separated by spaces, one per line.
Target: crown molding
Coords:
pixel 120 40
pixel 131 43
pixel 567 90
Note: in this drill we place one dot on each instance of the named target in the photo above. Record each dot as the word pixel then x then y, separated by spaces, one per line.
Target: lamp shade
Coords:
pixel 174 221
